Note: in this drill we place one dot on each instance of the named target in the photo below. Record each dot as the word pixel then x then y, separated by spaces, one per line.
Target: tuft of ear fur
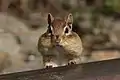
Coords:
pixel 69 18
pixel 50 18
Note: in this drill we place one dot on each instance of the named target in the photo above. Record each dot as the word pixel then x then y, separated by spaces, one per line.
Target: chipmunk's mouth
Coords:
pixel 57 41
pixel 57 44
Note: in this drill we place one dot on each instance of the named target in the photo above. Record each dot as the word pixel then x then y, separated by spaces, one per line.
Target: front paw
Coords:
pixel 74 61
pixel 50 65
pixel 71 62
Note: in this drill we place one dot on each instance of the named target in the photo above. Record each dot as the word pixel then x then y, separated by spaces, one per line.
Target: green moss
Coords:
pixel 111 6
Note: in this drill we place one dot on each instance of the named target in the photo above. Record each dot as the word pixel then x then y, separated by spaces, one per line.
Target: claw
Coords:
pixel 71 63
pixel 50 65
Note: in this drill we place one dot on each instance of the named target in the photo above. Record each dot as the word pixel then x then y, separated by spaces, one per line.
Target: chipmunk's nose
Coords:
pixel 57 38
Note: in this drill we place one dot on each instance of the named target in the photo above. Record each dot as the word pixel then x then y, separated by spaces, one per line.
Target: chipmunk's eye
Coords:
pixel 70 27
pixel 66 30
pixel 50 29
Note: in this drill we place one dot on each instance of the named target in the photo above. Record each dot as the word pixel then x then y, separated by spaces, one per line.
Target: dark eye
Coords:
pixel 66 30
pixel 49 30
pixel 70 27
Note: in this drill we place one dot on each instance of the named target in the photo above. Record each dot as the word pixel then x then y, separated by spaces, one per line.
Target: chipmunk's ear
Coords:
pixel 50 18
pixel 69 18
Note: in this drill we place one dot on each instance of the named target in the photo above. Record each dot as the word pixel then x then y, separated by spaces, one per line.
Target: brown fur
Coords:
pixel 4 60
pixel 70 42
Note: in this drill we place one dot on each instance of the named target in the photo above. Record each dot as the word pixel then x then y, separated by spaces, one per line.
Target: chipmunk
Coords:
pixel 60 41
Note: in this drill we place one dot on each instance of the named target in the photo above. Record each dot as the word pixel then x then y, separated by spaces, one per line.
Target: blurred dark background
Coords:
pixel 23 21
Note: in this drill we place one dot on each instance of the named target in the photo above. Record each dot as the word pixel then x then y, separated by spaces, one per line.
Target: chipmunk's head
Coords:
pixel 60 27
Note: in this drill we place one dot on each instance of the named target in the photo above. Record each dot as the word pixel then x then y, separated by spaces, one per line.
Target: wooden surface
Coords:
pixel 104 70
